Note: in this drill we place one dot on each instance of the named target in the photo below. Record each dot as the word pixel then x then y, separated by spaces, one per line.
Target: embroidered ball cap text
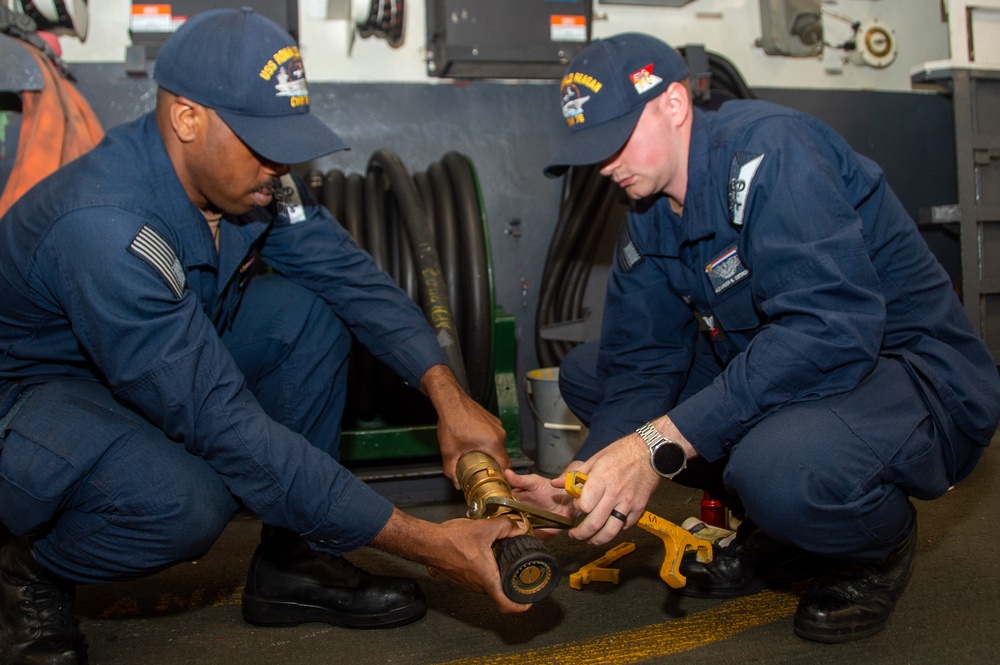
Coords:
pixel 249 71
pixel 603 92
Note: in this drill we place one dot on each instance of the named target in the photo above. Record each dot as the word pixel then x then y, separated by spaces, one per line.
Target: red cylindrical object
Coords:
pixel 713 512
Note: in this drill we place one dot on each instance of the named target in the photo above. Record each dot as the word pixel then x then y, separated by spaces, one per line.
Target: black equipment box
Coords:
pixel 505 38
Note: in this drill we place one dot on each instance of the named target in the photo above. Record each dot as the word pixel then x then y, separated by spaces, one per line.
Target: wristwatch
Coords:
pixel 667 456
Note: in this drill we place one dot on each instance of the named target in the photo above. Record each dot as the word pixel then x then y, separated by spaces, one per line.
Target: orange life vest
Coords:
pixel 57 126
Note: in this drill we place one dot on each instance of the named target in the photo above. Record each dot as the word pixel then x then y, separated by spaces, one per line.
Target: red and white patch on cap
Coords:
pixel 644 79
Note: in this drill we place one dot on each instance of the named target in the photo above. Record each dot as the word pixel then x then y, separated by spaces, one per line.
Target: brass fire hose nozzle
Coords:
pixel 483 484
pixel 528 571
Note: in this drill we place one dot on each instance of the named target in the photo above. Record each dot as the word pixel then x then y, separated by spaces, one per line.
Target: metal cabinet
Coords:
pixel 975 95
pixel 972 79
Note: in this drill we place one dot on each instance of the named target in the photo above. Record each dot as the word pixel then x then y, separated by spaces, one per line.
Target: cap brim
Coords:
pixel 592 145
pixel 286 139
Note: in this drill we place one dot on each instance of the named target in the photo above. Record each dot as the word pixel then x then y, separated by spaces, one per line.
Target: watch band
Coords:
pixel 650 435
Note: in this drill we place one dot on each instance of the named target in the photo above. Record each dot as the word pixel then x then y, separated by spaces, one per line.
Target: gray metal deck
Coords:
pixel 950 612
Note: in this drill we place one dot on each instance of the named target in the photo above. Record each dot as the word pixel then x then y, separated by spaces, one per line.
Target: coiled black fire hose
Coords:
pixel 474 276
pixel 426 230
pixel 588 201
pixel 433 293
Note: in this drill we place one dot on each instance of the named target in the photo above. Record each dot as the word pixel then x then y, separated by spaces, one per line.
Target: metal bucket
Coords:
pixel 559 432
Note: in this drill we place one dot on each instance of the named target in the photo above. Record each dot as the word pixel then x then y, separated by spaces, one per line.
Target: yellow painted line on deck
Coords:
pixel 662 639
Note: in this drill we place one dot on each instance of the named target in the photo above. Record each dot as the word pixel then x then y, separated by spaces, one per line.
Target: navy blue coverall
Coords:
pixel 842 374
pixel 146 380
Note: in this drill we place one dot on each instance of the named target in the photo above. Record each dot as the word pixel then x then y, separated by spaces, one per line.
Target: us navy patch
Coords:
pixel 741 174
pixel 628 254
pixel 149 246
pixel 725 270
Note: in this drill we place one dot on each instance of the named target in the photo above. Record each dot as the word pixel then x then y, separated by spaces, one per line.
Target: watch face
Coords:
pixel 668 458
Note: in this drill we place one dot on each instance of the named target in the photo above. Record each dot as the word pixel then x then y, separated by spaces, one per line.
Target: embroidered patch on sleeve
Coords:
pixel 628 254
pixel 725 270
pixel 290 202
pixel 149 246
pixel 741 175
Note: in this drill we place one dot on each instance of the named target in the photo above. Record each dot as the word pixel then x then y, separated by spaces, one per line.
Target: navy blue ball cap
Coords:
pixel 603 92
pixel 249 71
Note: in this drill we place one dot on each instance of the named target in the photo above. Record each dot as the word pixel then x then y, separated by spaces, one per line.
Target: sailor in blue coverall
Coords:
pixel 149 387
pixel 143 314
pixel 774 315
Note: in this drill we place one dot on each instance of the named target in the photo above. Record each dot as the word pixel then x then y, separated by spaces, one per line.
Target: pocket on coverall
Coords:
pixel 54 440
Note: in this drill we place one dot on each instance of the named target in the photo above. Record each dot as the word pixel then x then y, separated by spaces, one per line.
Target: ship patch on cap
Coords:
pixel 573 98
pixel 286 67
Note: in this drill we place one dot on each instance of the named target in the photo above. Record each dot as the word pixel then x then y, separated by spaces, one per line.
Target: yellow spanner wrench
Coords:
pixel 676 541
pixel 598 570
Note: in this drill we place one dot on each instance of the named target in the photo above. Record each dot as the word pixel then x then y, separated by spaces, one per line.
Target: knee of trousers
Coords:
pixel 292 315
pixel 192 522
pixel 578 380
pixel 126 544
pixel 322 334
pixel 815 506
pixel 288 343
pixel 792 498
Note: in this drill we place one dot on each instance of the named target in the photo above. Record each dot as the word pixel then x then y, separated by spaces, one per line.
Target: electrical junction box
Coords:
pixel 152 22
pixel 505 38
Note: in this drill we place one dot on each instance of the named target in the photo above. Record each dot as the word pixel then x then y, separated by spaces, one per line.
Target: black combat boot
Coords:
pixel 289 583
pixel 37 612
pixel 853 601
pixel 750 562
